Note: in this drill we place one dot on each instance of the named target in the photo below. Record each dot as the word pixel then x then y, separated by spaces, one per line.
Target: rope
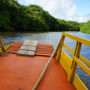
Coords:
pixel 53 54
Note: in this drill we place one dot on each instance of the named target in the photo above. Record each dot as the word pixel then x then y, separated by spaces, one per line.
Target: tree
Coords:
pixel 16 17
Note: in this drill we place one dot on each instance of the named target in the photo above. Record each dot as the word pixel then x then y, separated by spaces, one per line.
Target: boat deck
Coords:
pixel 22 72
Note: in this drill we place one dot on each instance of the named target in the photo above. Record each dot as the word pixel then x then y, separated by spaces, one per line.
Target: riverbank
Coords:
pixel 85 31
pixel 85 28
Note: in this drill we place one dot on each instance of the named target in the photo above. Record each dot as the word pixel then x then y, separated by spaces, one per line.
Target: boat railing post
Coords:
pixel 2 45
pixel 74 64
pixel 60 47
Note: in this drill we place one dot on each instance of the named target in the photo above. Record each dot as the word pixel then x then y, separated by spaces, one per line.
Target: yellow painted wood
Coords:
pixel 60 47
pixel 84 60
pixel 74 64
pixel 69 64
pixel 2 45
pixel 55 54
pixel 66 62
pixel 81 57
pixel 83 66
pixel 81 40
pixel 68 48
pixel 6 47
pixel 79 84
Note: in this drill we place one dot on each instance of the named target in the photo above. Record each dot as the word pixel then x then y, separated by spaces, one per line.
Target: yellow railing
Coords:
pixel 2 46
pixel 77 58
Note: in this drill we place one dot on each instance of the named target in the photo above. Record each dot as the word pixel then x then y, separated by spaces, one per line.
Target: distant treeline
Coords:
pixel 85 27
pixel 16 17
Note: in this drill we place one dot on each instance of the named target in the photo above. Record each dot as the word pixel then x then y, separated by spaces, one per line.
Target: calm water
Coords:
pixel 51 38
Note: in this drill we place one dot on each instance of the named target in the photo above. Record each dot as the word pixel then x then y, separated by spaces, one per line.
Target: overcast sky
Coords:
pixel 73 10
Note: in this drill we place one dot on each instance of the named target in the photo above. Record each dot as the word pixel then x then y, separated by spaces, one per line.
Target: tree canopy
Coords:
pixel 16 17
pixel 85 27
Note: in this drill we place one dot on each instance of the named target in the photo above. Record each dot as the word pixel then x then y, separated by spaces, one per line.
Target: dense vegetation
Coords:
pixel 16 17
pixel 85 27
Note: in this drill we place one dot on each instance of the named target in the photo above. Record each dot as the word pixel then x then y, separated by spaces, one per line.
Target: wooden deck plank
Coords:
pixel 30 43
pixel 26 53
pixel 30 48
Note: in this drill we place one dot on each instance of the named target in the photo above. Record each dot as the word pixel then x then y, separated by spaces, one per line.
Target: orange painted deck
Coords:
pixel 21 73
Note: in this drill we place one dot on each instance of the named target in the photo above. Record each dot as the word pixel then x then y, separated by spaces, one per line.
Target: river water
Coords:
pixel 52 38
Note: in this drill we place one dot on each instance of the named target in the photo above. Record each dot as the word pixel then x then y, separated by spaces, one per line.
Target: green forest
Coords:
pixel 85 27
pixel 16 17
